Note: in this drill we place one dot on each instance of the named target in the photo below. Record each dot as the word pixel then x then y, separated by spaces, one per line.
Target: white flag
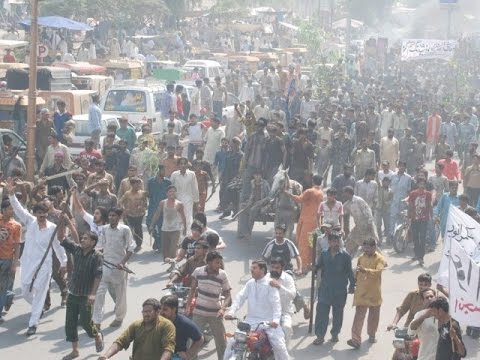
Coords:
pixel 461 228
pixel 464 288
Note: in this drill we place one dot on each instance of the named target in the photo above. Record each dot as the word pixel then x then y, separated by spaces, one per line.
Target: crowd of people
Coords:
pixel 365 141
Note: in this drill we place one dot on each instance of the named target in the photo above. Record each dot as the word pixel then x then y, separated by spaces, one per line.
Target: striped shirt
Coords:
pixel 86 268
pixel 209 288
pixel 286 250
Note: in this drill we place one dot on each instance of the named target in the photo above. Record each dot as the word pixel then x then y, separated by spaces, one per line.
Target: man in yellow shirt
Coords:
pixel 368 294
pixel 153 337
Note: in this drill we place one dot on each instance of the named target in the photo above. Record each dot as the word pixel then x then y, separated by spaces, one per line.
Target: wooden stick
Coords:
pixel 312 284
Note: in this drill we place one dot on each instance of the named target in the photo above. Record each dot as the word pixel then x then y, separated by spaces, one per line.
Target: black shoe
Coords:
pixel 137 248
pixel 420 262
pixel 225 214
pixel 334 339
pixel 31 330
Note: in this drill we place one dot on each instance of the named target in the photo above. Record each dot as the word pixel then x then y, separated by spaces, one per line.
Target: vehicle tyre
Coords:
pixel 400 239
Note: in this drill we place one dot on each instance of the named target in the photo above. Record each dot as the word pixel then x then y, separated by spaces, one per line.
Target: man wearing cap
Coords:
pixel 127 133
pixel 53 148
pixel 43 129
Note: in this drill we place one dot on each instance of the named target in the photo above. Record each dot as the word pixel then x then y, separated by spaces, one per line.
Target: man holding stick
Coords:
pixel 36 267
pixel 82 288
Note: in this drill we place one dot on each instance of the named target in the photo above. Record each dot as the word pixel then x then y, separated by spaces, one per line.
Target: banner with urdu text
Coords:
pixel 459 269
pixel 420 49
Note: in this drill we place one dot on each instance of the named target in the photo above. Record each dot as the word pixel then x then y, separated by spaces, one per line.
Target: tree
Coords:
pixel 129 14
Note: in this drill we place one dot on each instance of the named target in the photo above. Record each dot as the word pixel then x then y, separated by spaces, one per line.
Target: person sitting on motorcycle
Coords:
pixel 185 328
pixel 425 327
pixel 185 270
pixel 285 284
pixel 264 305
pixel 413 302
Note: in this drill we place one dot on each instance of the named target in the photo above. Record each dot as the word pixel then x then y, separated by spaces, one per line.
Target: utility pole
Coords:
pixel 32 93
pixel 348 30
pixel 449 21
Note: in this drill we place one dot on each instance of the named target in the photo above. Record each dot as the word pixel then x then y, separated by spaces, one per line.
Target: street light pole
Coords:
pixel 32 93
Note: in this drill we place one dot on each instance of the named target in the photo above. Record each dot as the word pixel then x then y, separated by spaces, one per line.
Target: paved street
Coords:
pixel 49 343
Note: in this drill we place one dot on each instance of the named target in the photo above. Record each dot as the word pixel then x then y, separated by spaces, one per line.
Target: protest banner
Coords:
pixel 420 49
pixel 464 230
pixel 464 286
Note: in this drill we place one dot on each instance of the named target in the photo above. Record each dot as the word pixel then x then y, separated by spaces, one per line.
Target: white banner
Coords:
pixel 419 49
pixel 464 230
pixel 464 289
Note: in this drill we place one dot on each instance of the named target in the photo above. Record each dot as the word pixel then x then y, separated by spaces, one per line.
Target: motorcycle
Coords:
pixel 402 235
pixel 473 332
pixel 251 345
pixel 406 347
pixel 181 292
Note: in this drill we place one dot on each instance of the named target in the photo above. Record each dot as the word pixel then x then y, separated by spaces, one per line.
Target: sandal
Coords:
pixel 99 346
pixel 353 344
pixel 71 356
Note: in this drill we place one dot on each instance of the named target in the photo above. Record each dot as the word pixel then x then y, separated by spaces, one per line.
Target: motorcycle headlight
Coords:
pixel 240 336
pixel 399 344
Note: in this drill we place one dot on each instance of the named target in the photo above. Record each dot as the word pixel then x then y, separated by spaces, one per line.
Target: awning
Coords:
pixel 11 44
pixel 82 68
pixel 58 22
pixel 289 26
pixel 342 24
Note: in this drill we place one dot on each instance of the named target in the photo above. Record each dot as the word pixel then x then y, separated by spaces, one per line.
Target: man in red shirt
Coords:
pixel 10 232
pixel 90 153
pixel 9 57
pixel 419 212
pixel 451 169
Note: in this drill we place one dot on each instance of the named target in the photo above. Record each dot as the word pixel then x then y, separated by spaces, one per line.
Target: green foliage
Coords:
pixel 131 14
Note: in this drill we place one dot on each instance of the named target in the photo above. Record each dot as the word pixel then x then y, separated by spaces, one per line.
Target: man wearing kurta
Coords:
pixel 390 149
pixel 187 189
pixel 368 293
pixel 310 200
pixel 37 238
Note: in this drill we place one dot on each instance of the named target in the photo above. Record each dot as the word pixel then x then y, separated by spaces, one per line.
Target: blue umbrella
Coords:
pixel 58 22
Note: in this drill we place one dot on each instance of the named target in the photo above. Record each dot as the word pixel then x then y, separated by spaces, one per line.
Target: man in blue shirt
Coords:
pixel 95 120
pixel 157 191
pixel 60 117
pixel 185 328
pixel 336 273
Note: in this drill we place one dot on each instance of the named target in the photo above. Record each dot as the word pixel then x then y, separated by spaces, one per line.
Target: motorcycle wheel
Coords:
pixel 400 239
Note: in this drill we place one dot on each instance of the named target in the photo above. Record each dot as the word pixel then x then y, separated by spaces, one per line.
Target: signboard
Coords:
pixel 464 230
pixel 42 50
pixel 464 288
pixel 421 49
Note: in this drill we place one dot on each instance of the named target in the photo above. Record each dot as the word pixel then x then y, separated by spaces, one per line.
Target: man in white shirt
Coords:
pixel 213 139
pixel 187 189
pixel 425 327
pixel 264 305
pixel 116 241
pixel 286 287
pixel 261 110
pixel 37 238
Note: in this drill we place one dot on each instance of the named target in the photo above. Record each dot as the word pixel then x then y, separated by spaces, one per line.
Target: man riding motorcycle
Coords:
pixel 264 305
pixel 285 284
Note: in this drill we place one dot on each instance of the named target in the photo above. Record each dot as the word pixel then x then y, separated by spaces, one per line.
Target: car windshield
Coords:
pixel 126 100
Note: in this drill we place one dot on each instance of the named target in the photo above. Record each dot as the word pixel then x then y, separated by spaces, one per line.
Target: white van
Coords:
pixel 207 68
pixel 140 104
